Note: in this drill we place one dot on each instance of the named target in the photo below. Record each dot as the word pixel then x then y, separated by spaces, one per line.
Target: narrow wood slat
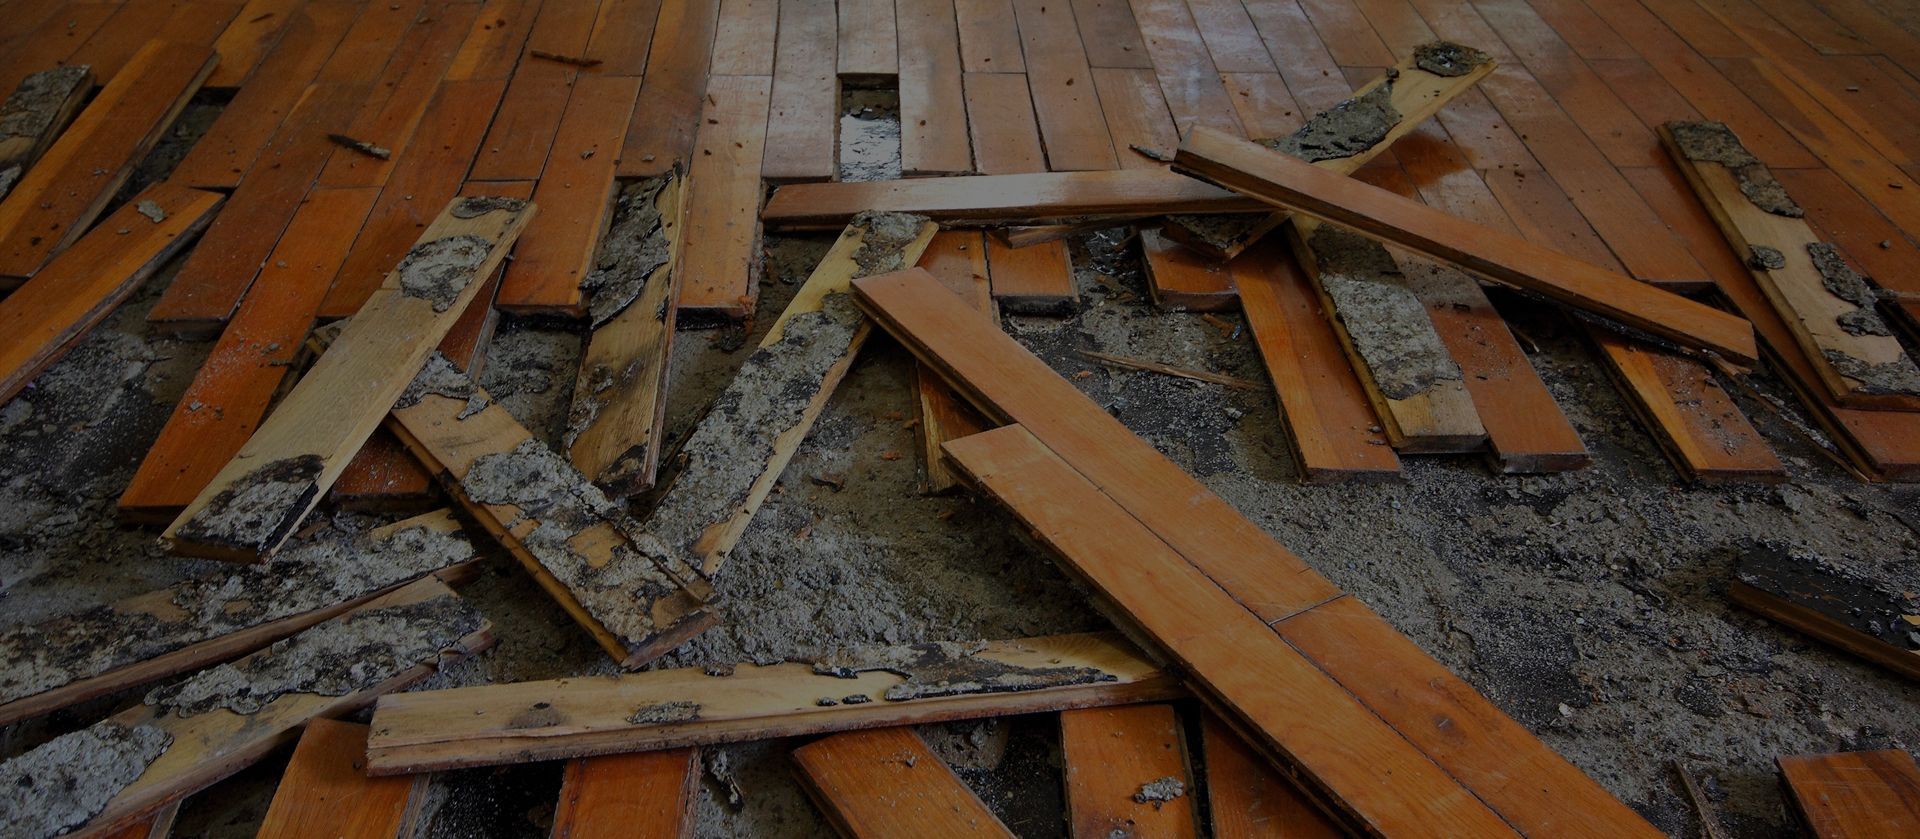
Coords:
pixel 522 134
pixel 666 118
pixel 933 112
pixel 803 125
pixel 1179 278
pixel 1855 794
pixel 253 33
pixel 495 43
pixel 1846 219
pixel 886 782
pixel 1590 37
pixel 1347 34
pixel 44 318
pixel 55 202
pixel 1231 40
pixel 745 29
pixel 1580 92
pixel 1063 91
pixel 721 255
pixel 325 792
pixel 958 260
pixel 989 37
pixel 49 44
pixel 1136 115
pixel 401 93
pixel 622 36
pixel 1247 798
pixel 365 51
pixel 1006 135
pixel 1033 280
pixel 1110 35
pixel 1113 757
pixel 985 199
pixel 174 21
pixel 867 39
pixel 647 795
pixel 1188 78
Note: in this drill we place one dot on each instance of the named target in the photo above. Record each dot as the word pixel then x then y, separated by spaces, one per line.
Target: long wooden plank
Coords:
pixel 647 795
pixel 933 111
pixel 667 116
pixel 1498 256
pixel 1855 795
pixel 622 37
pixel 989 37
pixel 56 202
pixel 1247 798
pixel 522 135
pixel 575 196
pixel 1110 35
pixel 803 125
pixel 249 38
pixel 985 200
pixel 400 96
pixel 886 782
pixel 157 634
pixel 325 793
pixel 261 495
pixel 47 316
pixel 496 42
pixel 1063 91
pixel 1331 427
pixel 194 732
pixel 867 39
pixel 1000 119
pixel 231 391
pixel 1188 78
pixel 958 259
pixel 868 687
pixel 1126 771
pixel 740 42
pixel 1232 42
pixel 34 114
pixel 721 258
pixel 1844 218
pixel 1861 616
pixel 1136 114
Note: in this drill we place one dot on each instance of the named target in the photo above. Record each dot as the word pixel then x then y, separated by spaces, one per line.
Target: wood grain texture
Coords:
pixel 537 98
pixel 1110 755
pixel 886 782
pixel 400 96
pixel 622 37
pixel 1180 279
pixel 1247 798
pixel 933 111
pixel 1110 35
pixel 1188 78
pixel 1855 795
pixel 989 37
pixel 720 260
pixel 803 124
pixel 1063 90
pixel 325 792
pixel 667 116
pixel 958 260
pixel 740 42
pixel 987 199
pixel 867 39
pixel 647 795
pixel 1136 114
pixel 1006 135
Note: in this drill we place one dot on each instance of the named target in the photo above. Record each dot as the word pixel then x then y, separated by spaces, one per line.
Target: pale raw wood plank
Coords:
pixel 867 45
pixel 1188 79
pixel 647 795
pixel 1136 115
pixel 1063 90
pixel 1119 762
pixel 721 259
pixel 933 111
pixel 989 37
pixel 986 200
pixel 886 782
pixel 1855 795
pixel 741 40
pixel 803 125
pixel 325 793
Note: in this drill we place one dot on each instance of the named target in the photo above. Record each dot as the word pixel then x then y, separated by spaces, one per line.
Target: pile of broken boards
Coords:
pixel 1320 715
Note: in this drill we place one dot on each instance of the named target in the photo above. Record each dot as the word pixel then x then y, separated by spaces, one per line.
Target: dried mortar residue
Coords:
pixel 70 779
pixel 30 111
pixel 438 270
pixel 1897 377
pixel 1764 258
pixel 1714 142
pixel 661 713
pixel 152 211
pixel 258 509
pixel 883 240
pixel 342 656
pixel 1223 231
pixel 1160 791
pixel 475 206
pixel 1446 58
pixel 330 569
pixel 635 247
pixel 440 377
pixel 1346 129
pixel 947 668
pixel 1847 284
pixel 1386 320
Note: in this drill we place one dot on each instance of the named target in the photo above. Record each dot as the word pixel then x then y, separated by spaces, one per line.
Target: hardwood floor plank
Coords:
pixel 1006 135
pixel 622 35
pixel 521 137
pixel 496 41
pixel 325 793
pixel 49 44
pixel 1864 794
pixel 673 94
pixel 1247 798
pixel 1231 39
pixel 1265 106
pixel 1188 80
pixel 886 782
pixel 958 260
pixel 37 112
pixel 1136 115
pixel 867 39
pixel 1347 34
pixel 1110 35
pixel 933 110
pixel 989 37
pixel 1121 765
pixel 249 38
pixel 803 125
pixel 1586 99
pixel 1063 90
pixel 401 94
pixel 647 795
pixel 985 199
pixel 721 252
pixel 740 38
pixel 1179 278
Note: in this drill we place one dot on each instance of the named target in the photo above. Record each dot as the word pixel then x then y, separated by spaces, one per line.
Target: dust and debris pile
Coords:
pixel 1346 129
pixel 1847 284
pixel 439 377
pixel 1446 58
pixel 1160 791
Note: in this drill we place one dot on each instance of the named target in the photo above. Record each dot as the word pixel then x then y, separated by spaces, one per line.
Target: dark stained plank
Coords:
pixel 1855 795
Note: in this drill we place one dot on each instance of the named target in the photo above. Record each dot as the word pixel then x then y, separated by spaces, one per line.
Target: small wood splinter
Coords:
pixel 574 60
pixel 361 146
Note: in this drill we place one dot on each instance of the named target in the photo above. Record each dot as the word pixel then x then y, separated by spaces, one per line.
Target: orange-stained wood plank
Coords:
pixel 1179 277
pixel 50 43
pixel 44 318
pixel 885 783
pixel 720 254
pixel 364 52
pixel 1032 280
pixel 1136 115
pixel 174 21
pixel 399 97
pixel 1119 762
pixel 645 795
pixel 989 37
pixel 933 110
pixel 249 38
pixel 1580 92
pixel 575 196
pixel 234 386
pixel 1857 226
pixel 522 134
pixel 742 38
pixel 622 35
pixel 803 124
pixel 325 792
pixel 867 39
pixel 667 117
pixel 496 41
pixel 1247 798
pixel 1855 795
pixel 57 200
pixel 1006 136
pixel 1063 92
pixel 958 260
pixel 1188 79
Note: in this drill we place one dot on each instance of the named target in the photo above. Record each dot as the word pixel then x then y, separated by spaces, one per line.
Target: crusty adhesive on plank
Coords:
pixel 259 508
pixel 635 247
pixel 947 668
pixel 438 270
pixel 1714 142
pixel 1386 320
pixel 68 780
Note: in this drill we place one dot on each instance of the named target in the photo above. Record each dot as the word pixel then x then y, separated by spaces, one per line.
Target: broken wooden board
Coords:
pixel 58 200
pixel 636 597
pixel 990 200
pixel 1855 795
pixel 34 114
pixel 1345 137
pixel 1126 773
pixel 1331 427
pixel 720 263
pixel 958 259
pixel 47 316
pixel 851 688
pixel 1499 256
pixel 646 795
pixel 284 469
pixel 192 733
pixel 734 455
pixel 616 423
pixel 1854 614
pixel 1180 278
pixel 150 636
pixel 325 792
pixel 1247 798
pixel 887 783
pixel 1416 388
pixel 1831 309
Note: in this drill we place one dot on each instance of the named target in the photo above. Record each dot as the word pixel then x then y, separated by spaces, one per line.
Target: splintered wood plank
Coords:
pixel 1006 136
pixel 259 497
pixel 1331 427
pixel 1180 278
pixel 984 200
pixel 214 278
pixel 1110 35
pixel 197 731
pixel 57 200
pixel 621 36
pixel 1063 89
pixel 254 33
pixel 400 96
pixel 870 687
pixel 1490 253
pixel 803 125
pixel 1247 798
pixel 523 132
pixel 886 782
pixel 721 250
pixel 958 260
pixel 665 119
pixel 1861 616
pixel 740 41
pixel 231 392
pixel 36 112
pixel 44 318
pixel 867 39
pixel 1136 115
pixel 1126 772
pixel 737 451
pixel 933 111
pixel 648 795
pixel 575 196
pixel 1830 308
pixel 616 424
pixel 1851 795
pixel 496 41
pixel 1188 78
pixel 325 792
pixel 1323 735
pixel 426 175
pixel 247 126
pixel 989 37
